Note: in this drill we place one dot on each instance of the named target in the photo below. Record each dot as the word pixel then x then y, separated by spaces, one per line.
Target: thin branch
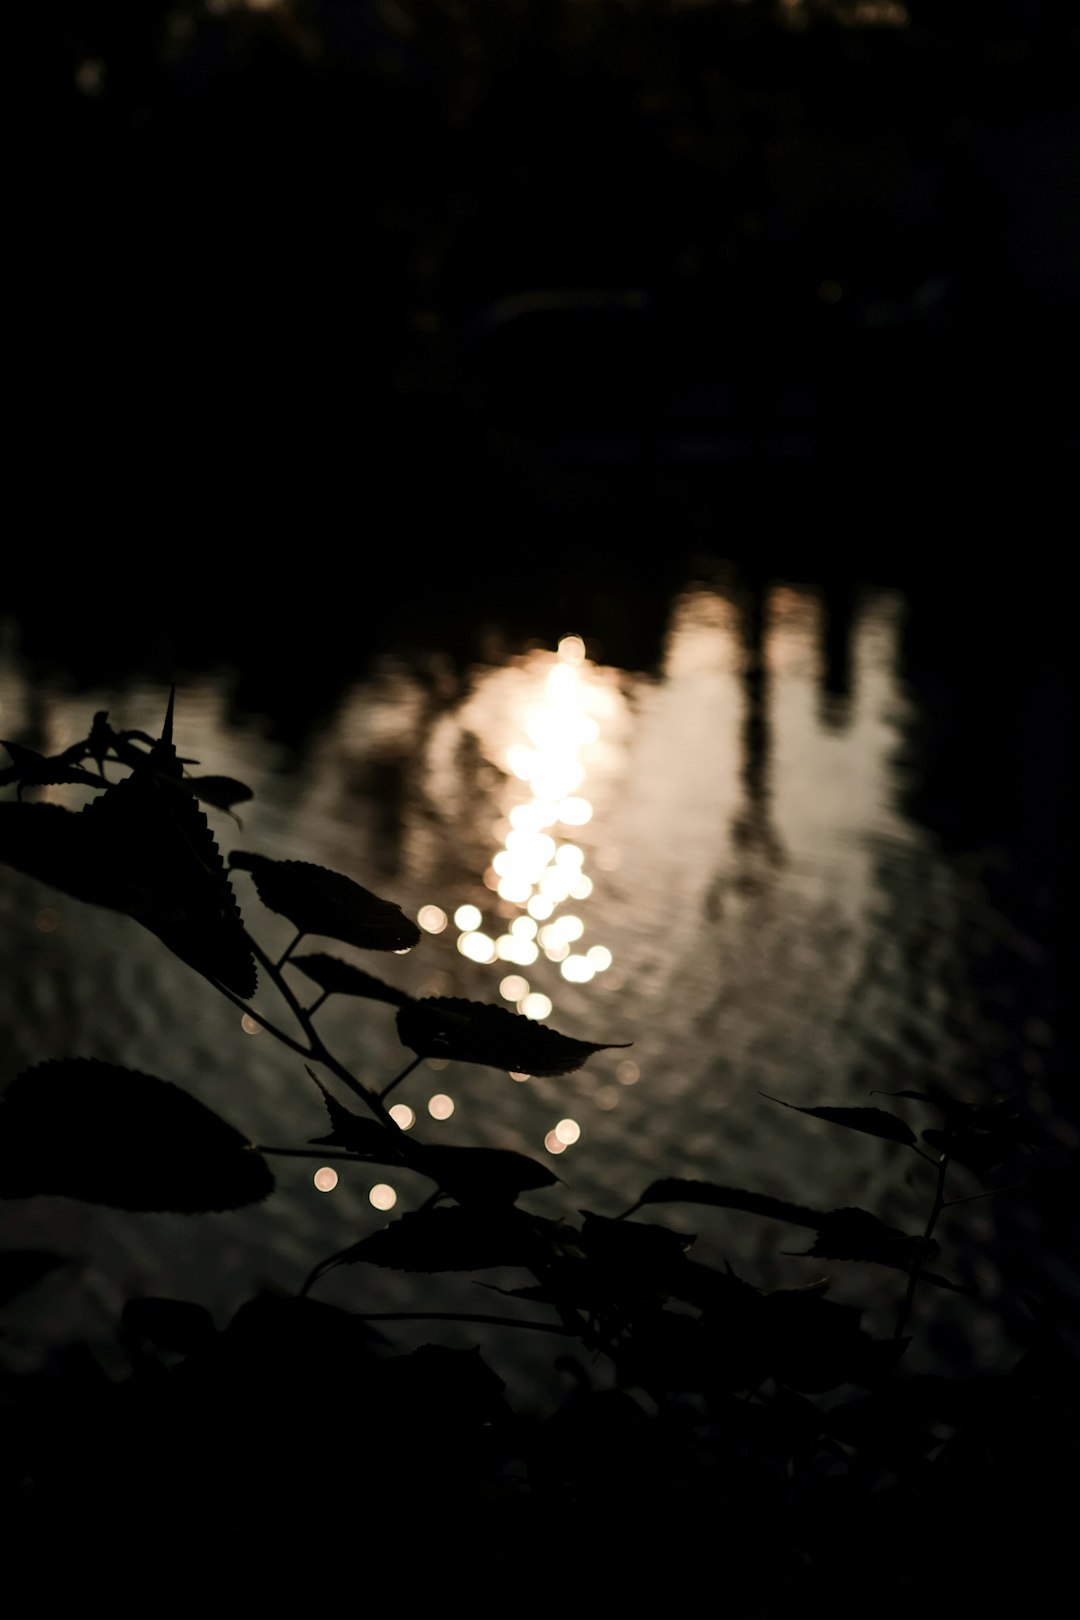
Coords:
pixel 398 1078
pixel 287 952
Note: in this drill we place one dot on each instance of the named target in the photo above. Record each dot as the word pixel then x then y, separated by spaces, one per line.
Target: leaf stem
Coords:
pixel 917 1264
pixel 287 952
pixel 312 1153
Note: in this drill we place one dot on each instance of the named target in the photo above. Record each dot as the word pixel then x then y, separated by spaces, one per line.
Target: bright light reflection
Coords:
pixel 568 1131
pixel 403 1116
pixel 552 1143
pixel 628 1073
pixel 515 1075
pixel 575 812
pixel 433 919
pixel 607 1098
pixel 535 870
pixel 250 1026
pixel 383 1196
pixel 440 1106
pixel 477 947
pixel 325 1179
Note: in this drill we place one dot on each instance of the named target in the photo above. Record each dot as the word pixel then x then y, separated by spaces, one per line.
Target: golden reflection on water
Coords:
pixel 553 736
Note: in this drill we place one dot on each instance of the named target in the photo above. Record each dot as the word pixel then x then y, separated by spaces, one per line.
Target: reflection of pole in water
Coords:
pixel 752 827
pixel 838 605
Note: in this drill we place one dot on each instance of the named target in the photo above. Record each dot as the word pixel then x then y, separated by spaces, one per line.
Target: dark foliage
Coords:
pixel 781 1415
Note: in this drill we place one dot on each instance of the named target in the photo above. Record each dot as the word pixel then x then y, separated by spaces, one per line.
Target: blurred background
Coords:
pixel 612 457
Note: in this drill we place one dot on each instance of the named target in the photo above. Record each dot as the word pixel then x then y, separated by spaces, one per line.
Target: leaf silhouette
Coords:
pixel 150 836
pixel 480 1175
pixel 342 979
pixel 648 1257
pixel 30 769
pixel 475 1032
pixel 870 1121
pixel 455 1239
pixel 318 901
pixel 220 791
pixel 855 1234
pixel 673 1190
pixel 91 1130
pixel 142 847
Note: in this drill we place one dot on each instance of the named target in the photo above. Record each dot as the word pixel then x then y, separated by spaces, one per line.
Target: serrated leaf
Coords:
pixel 91 1130
pixel 674 1190
pixel 480 1175
pixel 869 1121
pixel 477 1032
pixel 340 978
pixel 647 1258
pixel 457 1239
pixel 144 848
pixel 156 844
pixel 855 1234
pixel 318 901
pixel 31 769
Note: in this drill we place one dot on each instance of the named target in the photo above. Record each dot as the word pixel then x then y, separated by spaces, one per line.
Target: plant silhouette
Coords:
pixel 765 1436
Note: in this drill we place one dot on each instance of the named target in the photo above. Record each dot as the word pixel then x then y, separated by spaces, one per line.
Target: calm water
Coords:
pixel 715 860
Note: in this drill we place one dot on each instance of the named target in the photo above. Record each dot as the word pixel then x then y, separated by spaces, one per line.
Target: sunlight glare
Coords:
pixel 432 919
pixel 552 1143
pixel 568 1131
pixel 536 1005
pixel 440 1106
pixel 325 1179
pixel 382 1196
pixel 403 1116
pixel 513 987
pixel 468 918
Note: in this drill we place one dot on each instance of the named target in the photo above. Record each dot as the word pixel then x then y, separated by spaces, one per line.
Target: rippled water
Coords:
pixel 712 860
